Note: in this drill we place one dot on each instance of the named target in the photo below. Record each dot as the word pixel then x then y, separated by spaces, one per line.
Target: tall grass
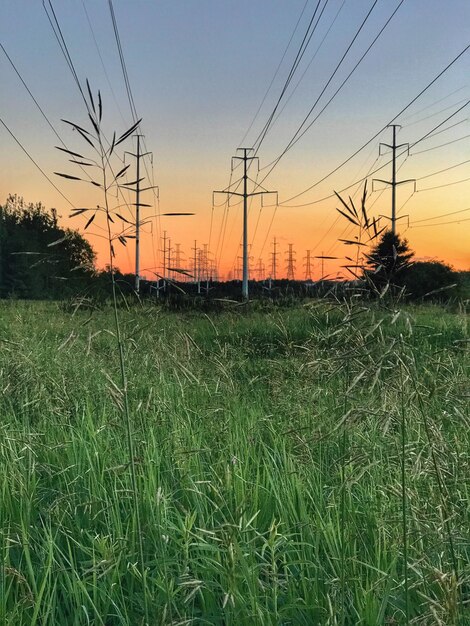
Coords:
pixel 276 452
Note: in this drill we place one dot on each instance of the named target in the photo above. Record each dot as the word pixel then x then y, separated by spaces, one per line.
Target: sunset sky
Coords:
pixel 199 71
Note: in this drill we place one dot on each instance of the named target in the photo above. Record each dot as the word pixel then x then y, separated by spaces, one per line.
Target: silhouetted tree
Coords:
pixel 388 262
pixel 432 280
pixel 38 258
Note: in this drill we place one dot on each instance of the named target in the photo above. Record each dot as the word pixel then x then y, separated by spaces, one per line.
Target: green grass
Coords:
pixel 269 454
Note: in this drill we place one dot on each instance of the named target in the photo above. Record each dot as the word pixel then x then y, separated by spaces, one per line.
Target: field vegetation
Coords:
pixel 294 466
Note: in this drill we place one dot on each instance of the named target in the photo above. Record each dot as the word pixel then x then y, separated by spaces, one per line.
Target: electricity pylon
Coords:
pixel 291 263
pixel 245 195
pixel 308 266
pixel 394 182
pixel 195 263
pixel 274 255
pixel 164 255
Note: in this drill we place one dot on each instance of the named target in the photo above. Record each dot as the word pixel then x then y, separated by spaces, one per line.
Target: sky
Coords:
pixel 205 77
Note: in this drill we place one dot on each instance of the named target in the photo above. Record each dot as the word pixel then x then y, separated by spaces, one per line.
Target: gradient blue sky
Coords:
pixel 199 70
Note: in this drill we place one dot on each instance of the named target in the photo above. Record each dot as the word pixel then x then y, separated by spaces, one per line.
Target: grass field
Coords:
pixel 302 466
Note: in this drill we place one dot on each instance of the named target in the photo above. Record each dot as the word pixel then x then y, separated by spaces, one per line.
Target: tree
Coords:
pixel 38 258
pixel 388 262
pixel 432 280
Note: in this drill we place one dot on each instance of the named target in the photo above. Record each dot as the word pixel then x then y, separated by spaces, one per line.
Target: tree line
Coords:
pixel 39 260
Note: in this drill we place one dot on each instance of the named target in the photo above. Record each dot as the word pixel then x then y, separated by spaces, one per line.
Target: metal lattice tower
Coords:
pixel 291 262
pixel 238 272
pixel 169 258
pixel 195 263
pixel 274 256
pixel 179 262
pixel 308 265
pixel 165 262
pixel 178 255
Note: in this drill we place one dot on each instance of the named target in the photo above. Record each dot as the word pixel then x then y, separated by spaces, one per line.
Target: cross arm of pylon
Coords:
pixel 398 182
pixel 400 145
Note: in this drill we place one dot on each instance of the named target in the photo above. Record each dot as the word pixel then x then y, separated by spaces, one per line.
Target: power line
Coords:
pixel 457 182
pixel 53 21
pixel 55 25
pixel 436 217
pixel 440 223
pixel 428 106
pixel 444 170
pixel 300 133
pixel 300 53
pixel 32 96
pixel 309 63
pixel 102 61
pixel 35 163
pixel 123 62
pixel 426 136
pixel 41 110
pixel 423 119
pixel 442 145
pixel 444 130
pixel 295 138
pixel 326 176
pixel 275 74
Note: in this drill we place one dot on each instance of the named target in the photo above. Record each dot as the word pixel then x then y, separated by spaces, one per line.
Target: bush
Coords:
pixel 433 280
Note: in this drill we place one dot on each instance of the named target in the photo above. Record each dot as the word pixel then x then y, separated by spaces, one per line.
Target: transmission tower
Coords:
pixel 394 182
pixel 169 259
pixel 177 254
pixel 260 269
pixel 178 261
pixel 291 263
pixel 274 255
pixel 214 272
pixel 195 265
pixel 238 271
pixel 165 263
pixel 205 262
pixel 308 266
pixel 245 195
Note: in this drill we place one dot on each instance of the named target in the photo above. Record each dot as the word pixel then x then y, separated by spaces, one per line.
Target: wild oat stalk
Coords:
pixel 107 181
pixel 368 231
pixel 404 507
pixel 443 492
pixel 343 453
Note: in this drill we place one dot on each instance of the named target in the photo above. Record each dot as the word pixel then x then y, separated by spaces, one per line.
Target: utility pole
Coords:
pixel 308 266
pixel 245 195
pixel 394 183
pixel 290 263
